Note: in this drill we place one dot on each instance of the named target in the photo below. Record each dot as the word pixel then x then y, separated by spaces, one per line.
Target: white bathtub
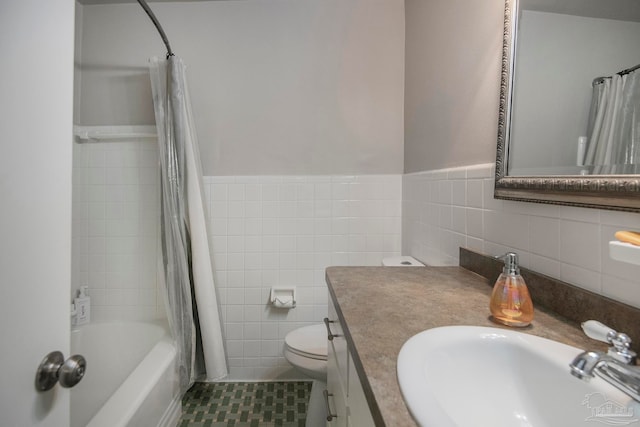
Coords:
pixel 130 379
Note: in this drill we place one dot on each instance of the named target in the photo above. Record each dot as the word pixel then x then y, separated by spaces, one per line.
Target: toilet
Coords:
pixel 306 349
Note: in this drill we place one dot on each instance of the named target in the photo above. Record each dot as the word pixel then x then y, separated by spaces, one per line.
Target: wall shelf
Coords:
pixel 625 252
pixel 113 133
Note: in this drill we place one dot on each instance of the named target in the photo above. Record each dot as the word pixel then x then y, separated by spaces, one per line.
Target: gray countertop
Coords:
pixel 382 307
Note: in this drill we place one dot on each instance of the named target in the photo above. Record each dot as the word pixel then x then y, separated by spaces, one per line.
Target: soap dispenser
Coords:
pixel 511 303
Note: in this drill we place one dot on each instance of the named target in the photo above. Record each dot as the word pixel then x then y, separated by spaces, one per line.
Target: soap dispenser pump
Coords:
pixel 511 303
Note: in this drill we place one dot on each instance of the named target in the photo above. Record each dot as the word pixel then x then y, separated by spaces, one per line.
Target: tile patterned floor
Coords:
pixel 267 404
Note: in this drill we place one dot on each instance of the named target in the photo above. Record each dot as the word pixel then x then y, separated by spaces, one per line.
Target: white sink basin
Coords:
pixel 476 376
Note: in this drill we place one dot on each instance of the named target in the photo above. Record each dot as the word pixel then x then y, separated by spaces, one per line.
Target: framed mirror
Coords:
pixel 569 118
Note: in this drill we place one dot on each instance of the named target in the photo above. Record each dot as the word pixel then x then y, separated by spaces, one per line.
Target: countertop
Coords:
pixel 381 307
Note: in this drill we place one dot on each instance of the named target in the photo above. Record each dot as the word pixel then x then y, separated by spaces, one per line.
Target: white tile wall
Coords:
pixel 284 231
pixel 448 208
pixel 115 229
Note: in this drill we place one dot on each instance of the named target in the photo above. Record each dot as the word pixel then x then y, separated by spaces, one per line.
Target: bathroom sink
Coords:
pixel 477 376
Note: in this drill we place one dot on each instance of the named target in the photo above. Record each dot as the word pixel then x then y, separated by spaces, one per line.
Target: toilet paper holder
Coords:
pixel 283 297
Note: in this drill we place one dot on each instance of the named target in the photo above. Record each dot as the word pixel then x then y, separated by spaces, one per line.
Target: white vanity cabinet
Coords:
pixel 347 405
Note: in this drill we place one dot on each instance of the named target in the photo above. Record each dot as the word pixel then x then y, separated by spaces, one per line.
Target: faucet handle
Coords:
pixel 598 331
pixel 620 343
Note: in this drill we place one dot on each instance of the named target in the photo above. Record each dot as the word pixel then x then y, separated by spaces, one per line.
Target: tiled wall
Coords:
pixel 449 208
pixel 283 231
pixel 266 231
pixel 115 228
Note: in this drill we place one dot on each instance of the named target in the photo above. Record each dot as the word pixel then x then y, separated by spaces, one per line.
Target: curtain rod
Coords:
pixel 599 80
pixel 155 21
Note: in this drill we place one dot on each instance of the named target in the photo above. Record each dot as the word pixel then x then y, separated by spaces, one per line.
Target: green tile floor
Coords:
pixel 267 404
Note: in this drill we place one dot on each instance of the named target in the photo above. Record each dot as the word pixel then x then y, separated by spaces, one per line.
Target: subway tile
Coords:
pixel 580 214
pixel 544 236
pixel 475 244
pixel 253 192
pixel 475 196
pixel 621 220
pixel 581 277
pixel 270 192
pixel 480 171
pixel 580 244
pixel 507 229
pixel 235 227
pixel 457 173
pixel 304 226
pixel 445 192
pixel 235 192
pixel 488 199
pixel 339 191
pixel 252 331
pixel 544 265
pixel 475 223
pixel 624 290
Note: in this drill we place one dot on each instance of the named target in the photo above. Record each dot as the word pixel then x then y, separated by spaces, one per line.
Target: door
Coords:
pixel 36 119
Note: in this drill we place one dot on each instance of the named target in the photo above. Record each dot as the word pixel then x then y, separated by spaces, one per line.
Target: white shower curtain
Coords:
pixel 190 291
pixel 614 124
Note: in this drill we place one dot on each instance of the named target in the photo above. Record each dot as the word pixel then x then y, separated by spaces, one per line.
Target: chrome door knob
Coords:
pixel 54 368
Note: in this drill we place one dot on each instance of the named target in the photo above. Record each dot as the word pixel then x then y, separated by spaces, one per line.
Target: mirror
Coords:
pixel 569 119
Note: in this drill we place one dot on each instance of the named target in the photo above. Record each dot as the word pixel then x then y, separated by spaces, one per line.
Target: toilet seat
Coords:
pixel 308 341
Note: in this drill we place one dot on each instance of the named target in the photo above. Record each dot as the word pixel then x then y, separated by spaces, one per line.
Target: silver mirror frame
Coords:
pixel 614 192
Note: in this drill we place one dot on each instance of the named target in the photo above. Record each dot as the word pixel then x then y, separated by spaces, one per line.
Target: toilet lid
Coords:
pixel 308 341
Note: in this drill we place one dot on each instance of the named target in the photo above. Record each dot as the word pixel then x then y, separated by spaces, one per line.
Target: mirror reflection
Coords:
pixel 575 104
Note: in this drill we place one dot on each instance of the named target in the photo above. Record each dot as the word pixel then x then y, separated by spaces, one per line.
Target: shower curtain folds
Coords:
pixel 614 124
pixel 190 294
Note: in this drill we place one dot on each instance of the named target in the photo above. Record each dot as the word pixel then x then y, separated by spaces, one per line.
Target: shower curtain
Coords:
pixel 614 124
pixel 192 306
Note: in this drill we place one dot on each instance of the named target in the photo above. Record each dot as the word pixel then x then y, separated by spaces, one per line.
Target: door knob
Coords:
pixel 54 368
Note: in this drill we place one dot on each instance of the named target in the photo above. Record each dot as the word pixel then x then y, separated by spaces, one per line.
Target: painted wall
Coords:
pixel 559 56
pixel 453 50
pixel 278 88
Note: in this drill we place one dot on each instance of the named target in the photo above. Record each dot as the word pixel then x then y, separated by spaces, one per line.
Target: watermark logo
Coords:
pixel 607 411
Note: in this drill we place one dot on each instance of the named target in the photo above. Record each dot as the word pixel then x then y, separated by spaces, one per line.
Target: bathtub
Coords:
pixel 130 379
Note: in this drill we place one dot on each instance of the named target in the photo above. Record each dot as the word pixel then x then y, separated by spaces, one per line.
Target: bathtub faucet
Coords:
pixel 617 366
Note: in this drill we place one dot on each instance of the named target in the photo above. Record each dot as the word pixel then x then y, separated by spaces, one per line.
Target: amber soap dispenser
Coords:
pixel 511 303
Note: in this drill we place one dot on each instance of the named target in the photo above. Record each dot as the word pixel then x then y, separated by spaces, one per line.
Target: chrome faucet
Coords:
pixel 617 366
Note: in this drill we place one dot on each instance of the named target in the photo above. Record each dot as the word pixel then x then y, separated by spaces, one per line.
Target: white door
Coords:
pixel 36 119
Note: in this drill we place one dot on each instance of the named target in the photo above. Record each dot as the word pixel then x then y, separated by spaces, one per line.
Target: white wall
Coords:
pixel 558 58
pixel 278 87
pixel 284 231
pixel 448 208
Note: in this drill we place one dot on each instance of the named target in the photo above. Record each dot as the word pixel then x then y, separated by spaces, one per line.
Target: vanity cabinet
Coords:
pixel 346 400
